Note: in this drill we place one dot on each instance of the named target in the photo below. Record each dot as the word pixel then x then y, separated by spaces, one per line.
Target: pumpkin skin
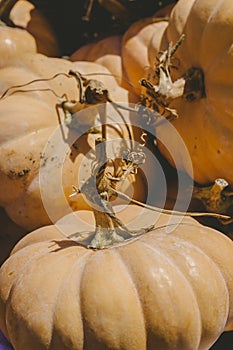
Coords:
pixel 106 52
pixel 208 27
pixel 135 43
pixel 25 15
pixel 119 53
pixel 14 42
pixel 22 140
pixel 29 19
pixel 166 290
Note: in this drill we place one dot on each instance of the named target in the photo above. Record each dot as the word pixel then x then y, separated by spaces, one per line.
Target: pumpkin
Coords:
pixel 106 52
pixel 204 63
pixel 14 42
pixel 119 53
pixel 33 123
pixel 169 288
pixel 38 26
pixel 25 16
pixel 135 43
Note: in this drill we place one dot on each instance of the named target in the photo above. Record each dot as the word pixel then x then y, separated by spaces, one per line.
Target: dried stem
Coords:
pixel 161 90
pixel 217 197
pixel 98 191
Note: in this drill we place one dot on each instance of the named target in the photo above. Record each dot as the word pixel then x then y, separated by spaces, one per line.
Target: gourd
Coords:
pixel 169 288
pixel 26 130
pixel 23 17
pixel 203 104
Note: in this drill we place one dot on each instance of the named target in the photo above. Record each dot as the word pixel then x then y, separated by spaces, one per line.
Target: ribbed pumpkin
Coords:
pixel 14 42
pixel 27 18
pixel 125 55
pixel 171 288
pixel 204 114
pixel 135 43
pixel 29 119
pixel 106 52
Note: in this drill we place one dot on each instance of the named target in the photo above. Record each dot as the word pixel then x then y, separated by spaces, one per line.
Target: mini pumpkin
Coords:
pixel 169 288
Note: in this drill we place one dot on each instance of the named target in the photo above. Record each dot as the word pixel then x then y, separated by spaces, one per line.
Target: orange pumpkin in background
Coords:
pixel 135 45
pixel 204 62
pixel 125 55
pixel 106 52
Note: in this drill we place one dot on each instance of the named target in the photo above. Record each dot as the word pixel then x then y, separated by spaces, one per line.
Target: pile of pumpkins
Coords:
pixel 169 288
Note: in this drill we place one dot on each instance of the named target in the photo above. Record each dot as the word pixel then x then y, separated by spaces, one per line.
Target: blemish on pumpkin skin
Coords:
pixel 43 159
pixel 11 153
pixel 18 174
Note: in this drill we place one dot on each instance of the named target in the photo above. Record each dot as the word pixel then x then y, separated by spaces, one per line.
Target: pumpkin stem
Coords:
pixel 216 197
pixel 161 90
pixel 99 189
pixel 5 10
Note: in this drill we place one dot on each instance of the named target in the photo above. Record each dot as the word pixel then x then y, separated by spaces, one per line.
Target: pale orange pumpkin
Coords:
pixel 14 42
pixel 170 288
pixel 106 52
pixel 135 43
pixel 125 55
pixel 204 110
pixel 26 129
pixel 25 16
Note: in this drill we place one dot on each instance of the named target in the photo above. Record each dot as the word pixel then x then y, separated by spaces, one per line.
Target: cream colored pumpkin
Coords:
pixel 29 119
pixel 204 124
pixel 28 16
pixel 106 52
pixel 25 15
pixel 135 45
pixel 13 42
pixel 171 288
